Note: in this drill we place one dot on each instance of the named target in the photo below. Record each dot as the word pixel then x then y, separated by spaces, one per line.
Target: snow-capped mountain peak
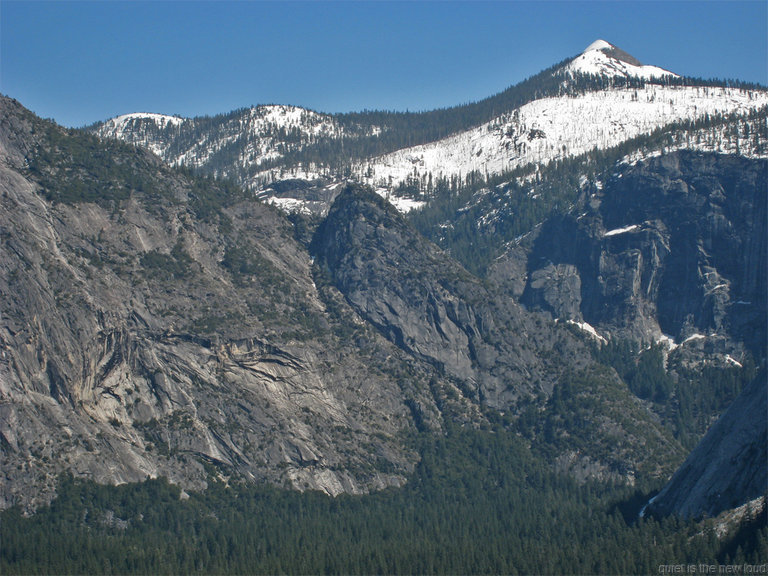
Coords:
pixel 604 59
pixel 264 144
pixel 598 44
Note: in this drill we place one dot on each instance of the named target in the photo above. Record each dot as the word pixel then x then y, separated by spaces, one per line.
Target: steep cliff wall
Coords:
pixel 675 245
pixel 153 324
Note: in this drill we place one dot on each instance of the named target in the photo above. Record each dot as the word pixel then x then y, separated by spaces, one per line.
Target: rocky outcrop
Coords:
pixel 154 324
pixel 495 352
pixel 729 467
pixel 429 306
pixel 675 245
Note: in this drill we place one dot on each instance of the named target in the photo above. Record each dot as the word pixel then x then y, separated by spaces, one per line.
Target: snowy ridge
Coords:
pixel 161 120
pixel 555 128
pixel 290 117
pixel 142 129
pixel 259 135
pixel 260 127
pixel 604 59
pixel 253 137
pixel 253 145
pixel 745 137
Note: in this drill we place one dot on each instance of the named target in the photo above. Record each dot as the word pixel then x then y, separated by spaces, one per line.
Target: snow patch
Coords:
pixel 290 205
pixel 667 341
pixel 571 125
pixel 617 231
pixel 159 119
pixel 405 204
pixel 584 326
pixel 598 45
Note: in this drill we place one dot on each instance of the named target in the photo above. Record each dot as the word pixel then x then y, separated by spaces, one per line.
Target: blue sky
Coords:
pixel 80 62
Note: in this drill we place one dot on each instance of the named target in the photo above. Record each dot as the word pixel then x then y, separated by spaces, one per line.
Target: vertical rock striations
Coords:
pixel 676 246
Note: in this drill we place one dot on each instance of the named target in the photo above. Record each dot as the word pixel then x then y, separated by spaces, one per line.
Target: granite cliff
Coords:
pixel 729 466
pixel 160 324
pixel 670 249
pixel 154 324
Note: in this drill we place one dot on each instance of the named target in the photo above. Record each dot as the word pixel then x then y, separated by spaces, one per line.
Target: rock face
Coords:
pixel 484 344
pixel 729 467
pixel 429 306
pixel 674 246
pixel 156 325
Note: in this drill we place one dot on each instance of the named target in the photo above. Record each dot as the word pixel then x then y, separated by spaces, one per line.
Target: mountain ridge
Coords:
pixel 167 295
pixel 173 328
pixel 525 127
pixel 178 322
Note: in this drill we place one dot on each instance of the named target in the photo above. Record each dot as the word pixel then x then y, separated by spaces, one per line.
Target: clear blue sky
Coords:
pixel 79 62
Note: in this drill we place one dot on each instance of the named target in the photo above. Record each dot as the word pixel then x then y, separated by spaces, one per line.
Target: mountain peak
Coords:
pixel 599 44
pixel 604 59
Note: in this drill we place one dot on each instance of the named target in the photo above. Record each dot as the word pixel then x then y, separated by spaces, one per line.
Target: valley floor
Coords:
pixel 479 502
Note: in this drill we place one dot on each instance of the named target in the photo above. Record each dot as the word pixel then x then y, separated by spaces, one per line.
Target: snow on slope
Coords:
pixel 555 128
pixel 604 59
pixel 260 129
pixel 140 127
pixel 161 120
pixel 744 138
pixel 242 145
pixel 624 230
pixel 259 133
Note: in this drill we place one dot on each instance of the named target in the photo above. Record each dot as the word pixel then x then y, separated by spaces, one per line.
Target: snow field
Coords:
pixel 554 128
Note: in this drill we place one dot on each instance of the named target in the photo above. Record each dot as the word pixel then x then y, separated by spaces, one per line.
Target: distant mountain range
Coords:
pixel 596 101
pixel 581 260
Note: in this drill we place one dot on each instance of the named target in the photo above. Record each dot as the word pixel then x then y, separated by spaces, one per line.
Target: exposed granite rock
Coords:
pixel 497 353
pixel 147 331
pixel 157 324
pixel 729 467
pixel 557 288
pixel 428 305
pixel 676 245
